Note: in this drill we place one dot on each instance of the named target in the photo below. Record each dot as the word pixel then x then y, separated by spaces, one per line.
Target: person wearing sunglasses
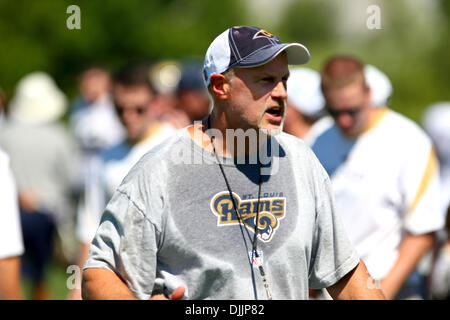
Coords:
pixel 384 174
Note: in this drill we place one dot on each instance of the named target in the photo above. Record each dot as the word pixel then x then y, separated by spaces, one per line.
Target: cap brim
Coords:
pixel 296 53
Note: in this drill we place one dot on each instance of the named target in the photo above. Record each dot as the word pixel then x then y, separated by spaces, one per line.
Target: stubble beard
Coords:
pixel 272 132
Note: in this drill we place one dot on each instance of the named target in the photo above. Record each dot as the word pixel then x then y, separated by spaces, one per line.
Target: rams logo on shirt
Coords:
pixel 271 211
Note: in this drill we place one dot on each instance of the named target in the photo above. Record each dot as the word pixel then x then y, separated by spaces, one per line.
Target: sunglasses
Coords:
pixel 139 110
pixel 351 112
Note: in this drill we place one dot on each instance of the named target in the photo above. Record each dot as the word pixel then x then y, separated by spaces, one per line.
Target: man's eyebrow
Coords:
pixel 265 74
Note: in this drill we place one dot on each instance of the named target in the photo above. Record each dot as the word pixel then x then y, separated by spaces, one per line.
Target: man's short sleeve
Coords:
pixel 420 184
pixel 126 243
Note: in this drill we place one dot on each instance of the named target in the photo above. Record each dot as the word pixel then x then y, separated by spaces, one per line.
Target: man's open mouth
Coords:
pixel 275 112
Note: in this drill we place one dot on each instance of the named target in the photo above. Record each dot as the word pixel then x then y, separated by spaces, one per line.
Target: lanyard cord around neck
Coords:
pixel 253 241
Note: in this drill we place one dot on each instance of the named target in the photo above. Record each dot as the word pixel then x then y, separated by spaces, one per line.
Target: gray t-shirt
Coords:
pixel 171 223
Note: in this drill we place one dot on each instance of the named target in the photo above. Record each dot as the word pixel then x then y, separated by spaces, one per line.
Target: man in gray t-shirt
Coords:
pixel 228 208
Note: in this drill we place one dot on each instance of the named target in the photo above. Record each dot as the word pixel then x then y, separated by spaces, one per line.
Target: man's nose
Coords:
pixel 128 116
pixel 279 91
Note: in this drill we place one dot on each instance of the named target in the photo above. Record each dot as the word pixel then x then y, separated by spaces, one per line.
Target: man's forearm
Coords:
pixel 411 251
pixel 10 279
pixel 103 284
pixel 356 285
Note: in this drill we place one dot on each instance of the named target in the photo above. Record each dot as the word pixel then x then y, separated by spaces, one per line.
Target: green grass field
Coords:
pixel 56 279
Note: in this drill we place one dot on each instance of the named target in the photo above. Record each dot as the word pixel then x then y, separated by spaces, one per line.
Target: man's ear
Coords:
pixel 219 86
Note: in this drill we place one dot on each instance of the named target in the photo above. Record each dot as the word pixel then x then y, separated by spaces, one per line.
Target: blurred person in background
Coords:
pixel 93 119
pixel 11 242
pixel 164 76
pixel 436 121
pixel 133 95
pixel 94 124
pixel 44 163
pixel 385 178
pixel 305 105
pixel 192 95
pixel 306 116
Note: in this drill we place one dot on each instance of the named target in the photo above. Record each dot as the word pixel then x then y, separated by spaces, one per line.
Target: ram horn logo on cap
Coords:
pixel 263 34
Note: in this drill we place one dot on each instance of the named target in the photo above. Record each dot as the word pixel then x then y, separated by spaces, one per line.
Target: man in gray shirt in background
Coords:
pixel 230 208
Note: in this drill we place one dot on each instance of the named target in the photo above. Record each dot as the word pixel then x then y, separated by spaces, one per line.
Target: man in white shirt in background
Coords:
pixel 385 178
pixel 306 116
pixel 11 243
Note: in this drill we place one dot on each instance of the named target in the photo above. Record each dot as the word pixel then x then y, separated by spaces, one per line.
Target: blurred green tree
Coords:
pixel 34 35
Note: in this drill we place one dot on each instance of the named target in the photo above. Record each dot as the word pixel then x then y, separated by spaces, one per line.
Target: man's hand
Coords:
pixel 103 284
pixel 412 249
pixel 176 295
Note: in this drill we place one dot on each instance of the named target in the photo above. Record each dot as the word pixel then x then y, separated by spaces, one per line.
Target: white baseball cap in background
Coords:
pixel 380 85
pixel 37 99
pixel 304 92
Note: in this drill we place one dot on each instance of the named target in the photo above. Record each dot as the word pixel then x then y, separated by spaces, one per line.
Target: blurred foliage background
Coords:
pixel 412 46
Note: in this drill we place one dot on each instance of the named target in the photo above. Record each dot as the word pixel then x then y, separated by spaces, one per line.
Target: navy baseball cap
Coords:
pixel 244 47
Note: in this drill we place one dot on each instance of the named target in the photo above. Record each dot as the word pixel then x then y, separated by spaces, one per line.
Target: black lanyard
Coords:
pixel 253 241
